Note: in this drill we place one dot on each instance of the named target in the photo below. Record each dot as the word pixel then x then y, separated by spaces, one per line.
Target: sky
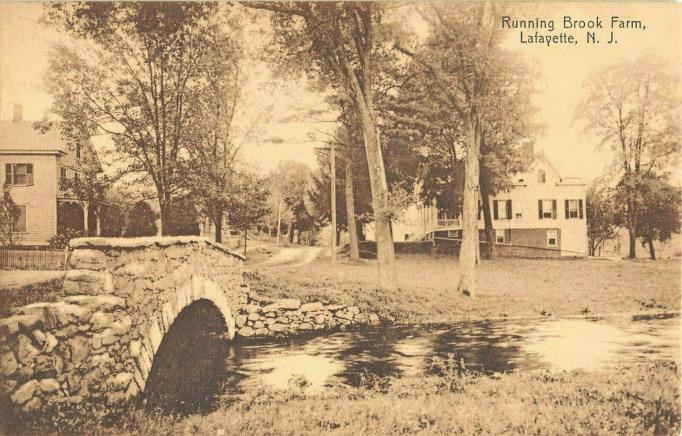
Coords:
pixel 272 104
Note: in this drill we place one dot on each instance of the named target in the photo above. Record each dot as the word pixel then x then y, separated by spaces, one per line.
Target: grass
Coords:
pixel 506 287
pixel 643 399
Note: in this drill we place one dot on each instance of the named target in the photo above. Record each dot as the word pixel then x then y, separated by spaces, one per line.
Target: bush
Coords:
pixel 61 239
pixel 141 220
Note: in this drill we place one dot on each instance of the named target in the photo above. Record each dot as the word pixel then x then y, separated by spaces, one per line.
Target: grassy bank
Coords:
pixel 634 400
pixel 506 287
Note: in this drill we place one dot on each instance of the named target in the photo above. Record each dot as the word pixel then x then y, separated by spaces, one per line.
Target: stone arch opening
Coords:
pixel 185 375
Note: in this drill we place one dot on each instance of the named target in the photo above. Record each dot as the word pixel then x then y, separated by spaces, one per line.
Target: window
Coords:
pixel 502 209
pixel 574 209
pixel 541 176
pixel 20 223
pixel 518 210
pixel 457 234
pixel 19 174
pixel 547 209
pixel 503 236
pixel 552 238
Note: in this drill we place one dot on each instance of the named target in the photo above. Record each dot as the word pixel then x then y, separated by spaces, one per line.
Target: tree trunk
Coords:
pixel 467 254
pixel 218 221
pixel 632 254
pixel 165 211
pixel 379 187
pixel 350 212
pixel 488 221
pixel 291 232
pixel 652 252
pixel 245 235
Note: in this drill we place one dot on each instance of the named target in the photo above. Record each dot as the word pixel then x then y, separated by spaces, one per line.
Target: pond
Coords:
pixel 407 351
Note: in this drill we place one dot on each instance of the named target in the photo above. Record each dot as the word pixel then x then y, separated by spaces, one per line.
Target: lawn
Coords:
pixel 632 400
pixel 506 287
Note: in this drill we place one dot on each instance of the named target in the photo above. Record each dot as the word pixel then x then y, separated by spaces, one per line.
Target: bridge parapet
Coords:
pixel 122 296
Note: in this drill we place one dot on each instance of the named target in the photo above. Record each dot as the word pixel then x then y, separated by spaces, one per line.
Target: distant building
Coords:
pixel 32 165
pixel 542 215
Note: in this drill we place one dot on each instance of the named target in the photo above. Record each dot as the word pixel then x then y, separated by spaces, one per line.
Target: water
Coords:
pixel 212 367
pixel 407 351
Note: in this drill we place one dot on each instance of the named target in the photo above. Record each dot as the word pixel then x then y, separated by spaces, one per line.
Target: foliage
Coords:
pixel 290 182
pixel 249 204
pixel 602 214
pixel 660 215
pixel 633 107
pixel 9 214
pixel 340 44
pixel 141 220
pixel 184 218
pixel 61 239
pixel 138 82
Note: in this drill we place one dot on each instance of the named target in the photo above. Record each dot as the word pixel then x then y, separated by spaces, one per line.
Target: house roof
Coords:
pixel 21 136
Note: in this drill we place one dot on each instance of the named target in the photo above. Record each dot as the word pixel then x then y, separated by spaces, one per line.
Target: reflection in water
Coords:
pixel 407 351
pixel 190 367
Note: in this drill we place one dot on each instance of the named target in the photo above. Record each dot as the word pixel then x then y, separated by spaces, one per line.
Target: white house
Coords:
pixel 543 214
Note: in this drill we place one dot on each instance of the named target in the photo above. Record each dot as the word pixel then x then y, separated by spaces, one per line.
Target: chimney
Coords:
pixel 18 113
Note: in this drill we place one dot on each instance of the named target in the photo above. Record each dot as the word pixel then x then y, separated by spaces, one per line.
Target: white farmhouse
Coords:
pixel 542 215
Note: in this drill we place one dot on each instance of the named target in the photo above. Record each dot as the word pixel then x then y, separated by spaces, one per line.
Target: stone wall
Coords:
pixel 258 318
pixel 122 295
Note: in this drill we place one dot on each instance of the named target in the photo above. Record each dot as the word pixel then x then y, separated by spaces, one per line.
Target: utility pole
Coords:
pixel 279 217
pixel 333 206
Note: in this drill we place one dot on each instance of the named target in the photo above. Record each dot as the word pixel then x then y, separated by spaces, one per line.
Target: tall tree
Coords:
pixel 339 43
pixel 136 82
pixel 249 204
pixel 292 181
pixel 601 214
pixel 633 107
pixel 660 215
pixel 9 214
pixel 460 58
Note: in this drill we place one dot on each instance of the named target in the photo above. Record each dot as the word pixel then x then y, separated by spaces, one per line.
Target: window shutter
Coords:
pixel 495 212
pixel 8 174
pixel 29 173
pixel 553 209
pixel 540 209
pixel 580 208
pixel 507 236
pixel 509 209
pixel 566 206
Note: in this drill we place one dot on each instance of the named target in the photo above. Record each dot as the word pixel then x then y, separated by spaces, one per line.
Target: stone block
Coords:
pixel 50 343
pixel 305 326
pixel 80 281
pixel 258 325
pixel 278 328
pixel 262 332
pixel 106 303
pixel 335 307
pixel 246 332
pixel 108 337
pixel 319 319
pixel 354 310
pixel 49 385
pixel 101 320
pixel 132 269
pixel 253 317
pixel 373 318
pixel 120 381
pixel 135 347
pixel 32 405
pixel 270 308
pixel 240 320
pixel 26 352
pixel 44 367
pixel 312 307
pixel 88 259
pixel 344 315
pixel 80 349
pixel 25 392
pixel 251 308
pixel 8 364
pixel 7 386
pixel 39 336
pixel 288 303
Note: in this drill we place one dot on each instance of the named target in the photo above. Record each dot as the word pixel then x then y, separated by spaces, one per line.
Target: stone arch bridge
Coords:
pixel 120 297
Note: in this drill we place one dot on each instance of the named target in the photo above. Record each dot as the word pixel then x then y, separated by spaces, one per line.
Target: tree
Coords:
pixel 184 218
pixel 460 57
pixel 249 204
pixel 339 43
pixel 291 182
pixel 601 214
pixel 633 107
pixel 141 220
pixel 659 216
pixel 9 214
pixel 210 170
pixel 136 84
